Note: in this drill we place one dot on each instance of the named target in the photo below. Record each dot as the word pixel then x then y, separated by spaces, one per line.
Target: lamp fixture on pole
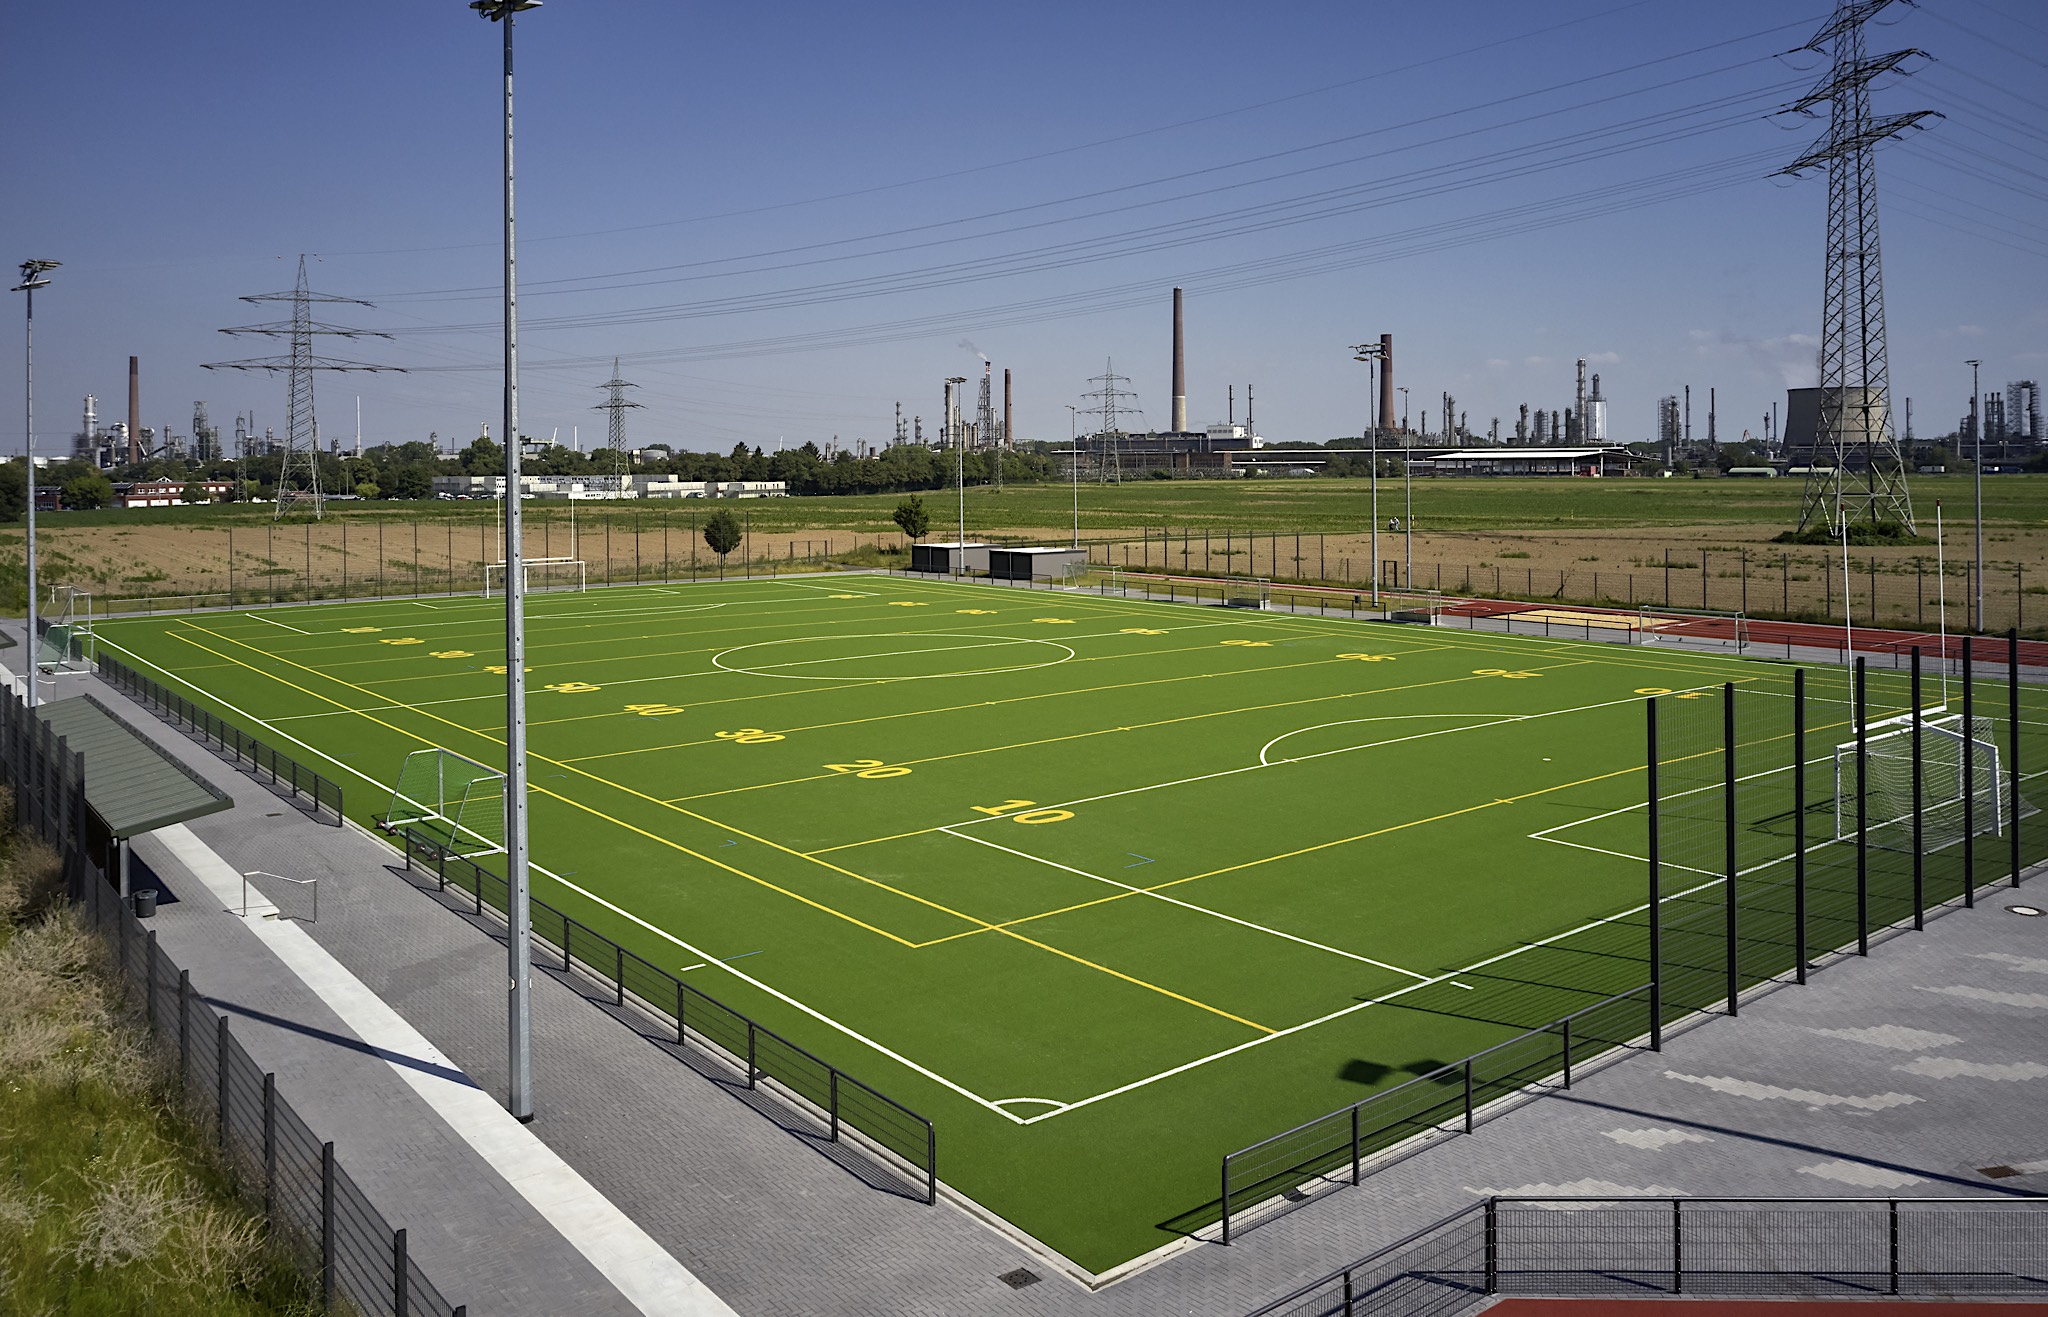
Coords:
pixel 34 275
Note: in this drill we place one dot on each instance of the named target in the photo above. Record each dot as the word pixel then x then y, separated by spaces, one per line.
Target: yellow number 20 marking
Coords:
pixel 870 769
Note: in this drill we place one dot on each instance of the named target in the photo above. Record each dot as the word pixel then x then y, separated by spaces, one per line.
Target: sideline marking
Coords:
pixel 260 618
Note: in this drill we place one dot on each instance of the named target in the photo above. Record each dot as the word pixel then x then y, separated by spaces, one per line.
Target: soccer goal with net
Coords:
pixel 457 802
pixel 1247 592
pixel 1960 782
pixel 66 646
pixel 539 574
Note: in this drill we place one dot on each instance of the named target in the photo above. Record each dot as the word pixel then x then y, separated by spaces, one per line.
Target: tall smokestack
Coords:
pixel 1009 436
pixel 1180 373
pixel 1578 426
pixel 1386 380
pixel 134 409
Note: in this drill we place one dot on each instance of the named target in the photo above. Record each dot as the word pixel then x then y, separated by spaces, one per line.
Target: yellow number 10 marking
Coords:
pixel 1030 816
pixel 871 769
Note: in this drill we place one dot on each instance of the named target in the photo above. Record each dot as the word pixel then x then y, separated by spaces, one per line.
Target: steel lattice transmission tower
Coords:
pixel 1855 424
pixel 1110 464
pixel 301 447
pixel 616 405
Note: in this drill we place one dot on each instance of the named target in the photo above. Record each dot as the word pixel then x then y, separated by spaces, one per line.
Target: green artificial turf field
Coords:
pixel 1104 887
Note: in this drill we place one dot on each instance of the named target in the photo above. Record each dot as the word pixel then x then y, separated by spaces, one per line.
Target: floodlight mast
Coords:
pixel 959 466
pixel 1372 354
pixel 33 276
pixel 518 895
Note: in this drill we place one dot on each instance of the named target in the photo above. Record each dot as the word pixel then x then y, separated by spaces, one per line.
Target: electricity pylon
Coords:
pixel 1855 423
pixel 300 444
pixel 616 405
pixel 1110 465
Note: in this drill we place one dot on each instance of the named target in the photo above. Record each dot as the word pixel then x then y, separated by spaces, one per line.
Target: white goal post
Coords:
pixel 540 574
pixel 1247 592
pixel 65 647
pixel 1955 768
pixel 457 802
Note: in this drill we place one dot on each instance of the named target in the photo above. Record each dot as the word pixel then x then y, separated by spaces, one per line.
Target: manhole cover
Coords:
pixel 1019 1278
pixel 2031 911
pixel 1999 1172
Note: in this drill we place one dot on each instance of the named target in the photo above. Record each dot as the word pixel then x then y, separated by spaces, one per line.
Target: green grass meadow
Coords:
pixel 1104 887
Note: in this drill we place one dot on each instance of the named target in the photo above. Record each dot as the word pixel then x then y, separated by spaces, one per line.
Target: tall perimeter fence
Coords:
pixel 1643 1248
pixel 276 1162
pixel 1784 824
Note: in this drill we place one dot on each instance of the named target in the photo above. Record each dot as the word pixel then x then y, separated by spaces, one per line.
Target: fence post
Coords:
pixel 1919 859
pixel 220 1065
pixel 2012 740
pixel 399 1290
pixel 931 1163
pixel 184 1025
pixel 1354 1143
pixel 1677 1247
pixel 1728 834
pixel 149 975
pixel 750 1053
pixel 619 972
pixel 1226 1198
pixel 1656 891
pixel 1468 1095
pixel 1567 1023
pixel 1492 1246
pixel 1799 821
pixel 327 1226
pixel 1969 777
pixel 1892 1222
pixel 269 1143
pixel 1862 715
pixel 833 1077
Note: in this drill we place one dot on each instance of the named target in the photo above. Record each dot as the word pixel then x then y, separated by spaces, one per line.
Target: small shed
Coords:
pixel 953 559
pixel 1035 564
pixel 132 786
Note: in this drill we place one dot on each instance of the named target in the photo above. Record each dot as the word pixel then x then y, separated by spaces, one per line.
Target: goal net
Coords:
pixel 1960 783
pixel 1693 627
pixel 66 643
pixel 1247 592
pixel 539 574
pixel 1422 607
pixel 457 802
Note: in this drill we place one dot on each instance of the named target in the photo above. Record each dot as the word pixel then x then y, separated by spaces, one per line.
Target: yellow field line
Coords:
pixel 984 925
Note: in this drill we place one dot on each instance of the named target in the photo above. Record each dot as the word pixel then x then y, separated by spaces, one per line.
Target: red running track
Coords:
pixel 1760 1308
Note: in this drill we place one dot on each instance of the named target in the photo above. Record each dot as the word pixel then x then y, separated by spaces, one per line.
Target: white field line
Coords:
pixel 1321 754
pixel 995 642
pixel 621 911
pixel 274 622
pixel 1185 905
pixel 1352 1009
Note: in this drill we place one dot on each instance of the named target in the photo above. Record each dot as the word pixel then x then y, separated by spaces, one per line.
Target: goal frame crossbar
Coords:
pixel 527 566
pixel 1946 778
pixel 457 808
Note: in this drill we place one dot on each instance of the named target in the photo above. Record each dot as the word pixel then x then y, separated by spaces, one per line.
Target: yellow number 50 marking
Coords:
pixel 870 769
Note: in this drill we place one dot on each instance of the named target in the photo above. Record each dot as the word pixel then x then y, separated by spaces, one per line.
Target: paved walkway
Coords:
pixel 1916 1072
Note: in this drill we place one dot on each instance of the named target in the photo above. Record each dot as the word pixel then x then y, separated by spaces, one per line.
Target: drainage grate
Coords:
pixel 1019 1278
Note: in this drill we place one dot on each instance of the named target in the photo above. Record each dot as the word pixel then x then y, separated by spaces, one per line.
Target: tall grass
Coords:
pixel 111 1201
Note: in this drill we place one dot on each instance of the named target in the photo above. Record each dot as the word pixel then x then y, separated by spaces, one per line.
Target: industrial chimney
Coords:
pixel 1578 427
pixel 134 410
pixel 1009 436
pixel 1180 373
pixel 1386 380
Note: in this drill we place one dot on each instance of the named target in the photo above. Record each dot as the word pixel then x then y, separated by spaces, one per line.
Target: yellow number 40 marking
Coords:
pixel 653 710
pixel 871 769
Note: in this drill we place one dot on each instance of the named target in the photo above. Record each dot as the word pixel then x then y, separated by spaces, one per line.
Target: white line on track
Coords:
pixel 1185 905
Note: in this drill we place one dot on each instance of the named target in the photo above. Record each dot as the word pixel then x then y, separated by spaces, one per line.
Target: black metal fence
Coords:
pixel 1760 860
pixel 842 1104
pixel 1795 1248
pixel 277 769
pixel 314 1209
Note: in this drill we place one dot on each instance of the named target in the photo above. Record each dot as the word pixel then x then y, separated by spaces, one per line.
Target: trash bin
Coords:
pixel 145 902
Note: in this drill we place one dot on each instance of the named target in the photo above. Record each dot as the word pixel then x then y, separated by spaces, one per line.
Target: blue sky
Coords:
pixel 787 217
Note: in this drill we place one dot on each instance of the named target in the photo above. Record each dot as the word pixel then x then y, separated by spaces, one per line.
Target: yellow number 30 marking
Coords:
pixel 870 769
pixel 1503 672
pixel 748 736
pixel 1369 658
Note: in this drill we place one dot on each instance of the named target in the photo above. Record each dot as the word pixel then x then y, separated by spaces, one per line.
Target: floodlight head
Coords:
pixel 32 273
pixel 1367 352
pixel 497 9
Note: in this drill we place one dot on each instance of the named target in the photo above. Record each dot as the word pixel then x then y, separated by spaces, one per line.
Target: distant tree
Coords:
pixel 91 490
pixel 194 492
pixel 483 457
pixel 913 517
pixel 412 481
pixel 13 491
pixel 368 489
pixel 722 533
